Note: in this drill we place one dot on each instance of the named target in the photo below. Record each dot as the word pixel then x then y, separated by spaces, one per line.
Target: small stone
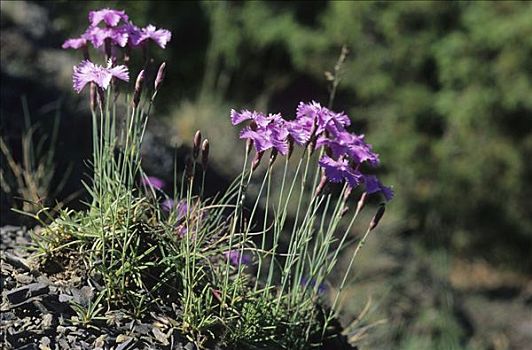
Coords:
pixel 122 338
pixel 123 345
pixel 47 320
pixel 190 346
pixel 160 336
pixel 100 341
pixel 63 344
pixel 7 316
pixel 18 295
pixel 71 339
pixel 17 261
pixel 65 298
pixel 85 295
pixel 23 278
pixel 142 328
pixel 44 344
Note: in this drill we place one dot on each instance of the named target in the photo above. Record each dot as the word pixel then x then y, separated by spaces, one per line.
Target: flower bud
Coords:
pixel 347 193
pixel 93 98
pixel 189 168
pixel 138 89
pixel 107 48
pixel 196 144
pixel 273 156
pixel 160 76
pixel 101 97
pixel 344 211
pixel 249 145
pixel 321 185
pixel 377 217
pixel 290 146
pixel 256 161
pixel 362 202
pixel 85 51
pixel 205 154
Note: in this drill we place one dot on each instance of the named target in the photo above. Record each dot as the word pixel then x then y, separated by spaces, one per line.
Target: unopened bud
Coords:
pixel 377 217
pixel 107 48
pixel 273 156
pixel 138 89
pixel 347 193
pixel 344 211
pixel 256 161
pixel 321 185
pixel 93 98
pixel 160 76
pixel 196 144
pixel 189 168
pixel 253 125
pixel 313 137
pixel 362 202
pixel 205 154
pixel 101 97
pixel 249 145
pixel 290 146
pixel 85 51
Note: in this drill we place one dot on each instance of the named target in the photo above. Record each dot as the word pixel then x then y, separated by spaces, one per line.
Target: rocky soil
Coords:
pixel 38 311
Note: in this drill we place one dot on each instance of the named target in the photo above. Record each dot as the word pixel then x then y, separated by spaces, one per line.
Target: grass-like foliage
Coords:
pixel 207 264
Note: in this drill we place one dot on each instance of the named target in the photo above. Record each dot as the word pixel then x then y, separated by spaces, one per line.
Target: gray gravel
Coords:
pixel 38 314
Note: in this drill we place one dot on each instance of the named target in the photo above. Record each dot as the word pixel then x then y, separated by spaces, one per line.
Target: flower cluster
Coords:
pixel 110 29
pixel 118 30
pixel 321 128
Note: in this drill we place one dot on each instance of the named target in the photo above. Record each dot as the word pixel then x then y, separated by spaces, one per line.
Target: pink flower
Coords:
pixel 108 16
pixel 117 35
pixel 235 258
pixel 75 43
pixel 266 132
pixel 339 170
pixel 88 72
pixel 153 181
pixel 139 36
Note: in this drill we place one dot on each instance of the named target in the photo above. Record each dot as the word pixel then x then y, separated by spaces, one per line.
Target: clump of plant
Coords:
pixel 205 263
pixel 30 180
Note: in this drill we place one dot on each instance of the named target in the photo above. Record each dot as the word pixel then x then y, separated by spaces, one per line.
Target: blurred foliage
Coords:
pixel 443 90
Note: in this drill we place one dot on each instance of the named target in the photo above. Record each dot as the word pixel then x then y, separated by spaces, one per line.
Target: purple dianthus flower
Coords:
pixel 235 258
pixel 339 170
pixel 342 143
pixel 313 113
pixel 75 43
pixel 108 16
pixel 87 72
pixel 139 36
pixel 373 185
pixel 266 132
pixel 152 181
pixel 97 36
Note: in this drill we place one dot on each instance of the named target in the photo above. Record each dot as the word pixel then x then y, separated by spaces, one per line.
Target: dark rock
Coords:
pixel 17 261
pixel 124 345
pixel 18 295
pixel 63 344
pixel 190 346
pixel 142 328
pixel 52 304
pixel 30 346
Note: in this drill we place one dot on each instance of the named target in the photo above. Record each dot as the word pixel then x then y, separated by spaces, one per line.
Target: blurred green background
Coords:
pixel 443 91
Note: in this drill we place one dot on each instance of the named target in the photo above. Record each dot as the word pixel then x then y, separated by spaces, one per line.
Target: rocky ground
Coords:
pixel 38 311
